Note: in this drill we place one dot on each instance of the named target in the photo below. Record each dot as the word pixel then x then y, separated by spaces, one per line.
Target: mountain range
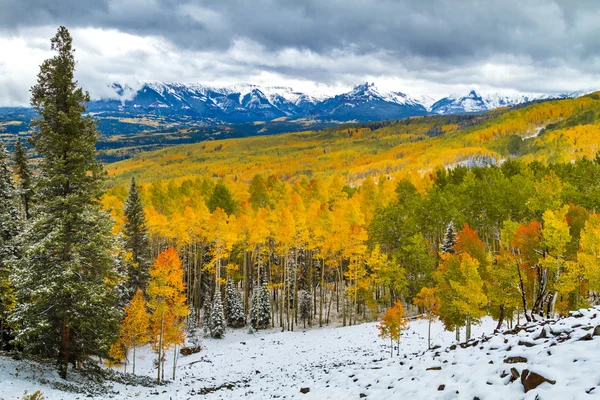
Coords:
pixel 251 103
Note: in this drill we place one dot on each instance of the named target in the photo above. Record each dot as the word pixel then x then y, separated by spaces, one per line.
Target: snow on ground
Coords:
pixel 350 362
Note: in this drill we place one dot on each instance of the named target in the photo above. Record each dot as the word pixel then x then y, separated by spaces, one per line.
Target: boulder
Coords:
pixel 304 390
pixel 186 351
pixel 515 359
pixel 531 380
pixel 441 387
pixel 514 374
pixel 596 331
pixel 587 336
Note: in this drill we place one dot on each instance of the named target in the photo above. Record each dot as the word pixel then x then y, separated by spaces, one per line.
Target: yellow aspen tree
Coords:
pixel 135 325
pixel 556 237
pixel 166 292
pixel 430 303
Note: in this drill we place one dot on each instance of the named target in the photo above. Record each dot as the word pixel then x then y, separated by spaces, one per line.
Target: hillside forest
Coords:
pixel 490 215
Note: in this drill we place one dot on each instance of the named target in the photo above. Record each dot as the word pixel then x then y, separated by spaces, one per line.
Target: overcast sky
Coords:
pixel 418 47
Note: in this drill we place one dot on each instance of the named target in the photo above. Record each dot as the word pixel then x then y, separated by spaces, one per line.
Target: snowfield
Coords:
pixel 353 362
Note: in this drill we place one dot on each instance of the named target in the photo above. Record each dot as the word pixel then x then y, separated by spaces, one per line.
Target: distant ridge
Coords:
pixel 251 103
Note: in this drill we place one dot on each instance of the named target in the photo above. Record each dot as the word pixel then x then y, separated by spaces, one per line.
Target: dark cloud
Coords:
pixel 347 39
pixel 446 29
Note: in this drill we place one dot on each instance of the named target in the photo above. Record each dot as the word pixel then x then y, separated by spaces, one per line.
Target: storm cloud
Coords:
pixel 420 47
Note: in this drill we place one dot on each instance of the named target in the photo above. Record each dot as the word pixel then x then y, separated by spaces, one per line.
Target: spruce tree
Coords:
pixel 66 276
pixel 193 328
pixel 135 232
pixel 260 314
pixel 217 318
pixel 235 309
pixel 305 307
pixel 206 317
pixel 10 225
pixel 221 198
pixel 449 239
pixel 25 175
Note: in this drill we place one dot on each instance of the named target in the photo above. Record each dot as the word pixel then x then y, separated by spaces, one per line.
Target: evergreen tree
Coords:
pixel 260 314
pixel 9 229
pixel 206 317
pixel 235 309
pixel 221 198
pixel 305 306
pixel 25 178
pixel 66 277
pixel 217 318
pixel 193 328
pixel 135 232
pixel 449 239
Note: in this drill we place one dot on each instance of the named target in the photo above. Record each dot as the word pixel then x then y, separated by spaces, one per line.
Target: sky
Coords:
pixel 428 47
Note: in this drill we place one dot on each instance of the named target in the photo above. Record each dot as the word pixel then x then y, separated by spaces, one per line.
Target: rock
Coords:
pixel 304 390
pixel 515 359
pixel 514 374
pixel 433 369
pixel 441 387
pixel 526 343
pixel 186 351
pixel 587 337
pixel 543 334
pixel 531 380
pixel 362 395
pixel 596 331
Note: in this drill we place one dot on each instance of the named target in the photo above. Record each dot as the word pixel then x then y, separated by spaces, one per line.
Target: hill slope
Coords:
pixel 552 131
pixel 352 362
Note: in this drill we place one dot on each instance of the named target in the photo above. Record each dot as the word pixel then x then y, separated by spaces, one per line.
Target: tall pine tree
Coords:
pixel 9 229
pixel 25 175
pixel 66 276
pixel 135 232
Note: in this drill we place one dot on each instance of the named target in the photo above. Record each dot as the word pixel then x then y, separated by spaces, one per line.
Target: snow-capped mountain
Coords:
pixel 367 103
pixel 251 103
pixel 473 102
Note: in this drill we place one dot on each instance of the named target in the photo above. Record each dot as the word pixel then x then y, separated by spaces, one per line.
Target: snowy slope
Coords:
pixel 335 363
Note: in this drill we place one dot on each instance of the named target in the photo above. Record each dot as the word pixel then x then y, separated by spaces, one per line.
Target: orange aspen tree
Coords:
pixel 392 324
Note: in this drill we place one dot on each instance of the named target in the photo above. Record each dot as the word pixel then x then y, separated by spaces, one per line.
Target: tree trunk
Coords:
pixel 160 345
pixel 134 360
pixel 457 333
pixel 523 294
pixel 429 335
pixel 500 319
pixel 174 361
pixel 468 328
pixel 65 347
pixel 321 293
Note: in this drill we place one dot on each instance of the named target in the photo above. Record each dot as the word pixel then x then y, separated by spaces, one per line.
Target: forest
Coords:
pixel 93 267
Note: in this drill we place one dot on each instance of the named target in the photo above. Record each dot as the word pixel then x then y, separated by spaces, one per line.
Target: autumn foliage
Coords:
pixel 392 324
